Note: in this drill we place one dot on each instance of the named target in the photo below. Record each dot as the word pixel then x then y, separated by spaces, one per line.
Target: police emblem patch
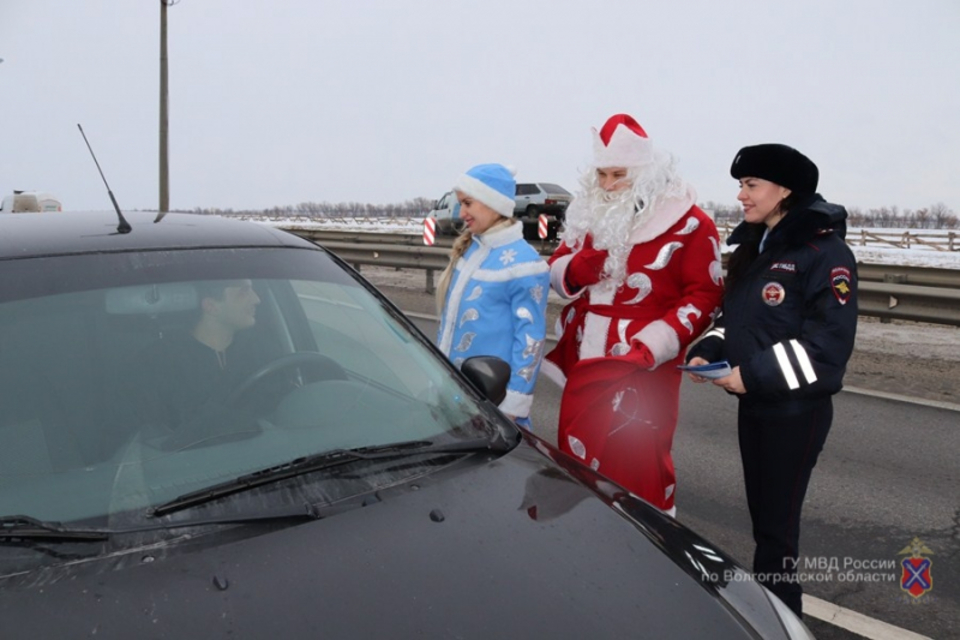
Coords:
pixel 841 283
pixel 774 293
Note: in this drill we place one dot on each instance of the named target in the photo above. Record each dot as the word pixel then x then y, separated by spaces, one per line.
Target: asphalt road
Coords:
pixel 888 474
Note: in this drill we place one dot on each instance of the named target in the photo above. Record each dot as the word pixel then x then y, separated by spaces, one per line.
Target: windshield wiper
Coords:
pixel 326 460
pixel 23 527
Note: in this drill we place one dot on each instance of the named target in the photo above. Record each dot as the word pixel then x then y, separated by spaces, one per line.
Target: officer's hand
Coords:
pixel 585 267
pixel 695 362
pixel 732 383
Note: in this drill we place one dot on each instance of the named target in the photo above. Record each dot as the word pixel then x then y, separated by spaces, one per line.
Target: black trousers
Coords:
pixel 778 455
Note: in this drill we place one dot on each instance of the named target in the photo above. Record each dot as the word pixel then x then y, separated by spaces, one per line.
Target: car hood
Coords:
pixel 514 547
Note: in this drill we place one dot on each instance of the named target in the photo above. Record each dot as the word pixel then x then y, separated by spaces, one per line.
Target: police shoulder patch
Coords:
pixel 841 282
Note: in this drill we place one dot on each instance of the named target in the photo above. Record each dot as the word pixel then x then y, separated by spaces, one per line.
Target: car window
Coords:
pixel 112 404
pixel 554 189
pixel 524 189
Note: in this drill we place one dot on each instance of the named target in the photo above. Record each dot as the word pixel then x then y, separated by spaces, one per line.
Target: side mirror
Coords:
pixel 490 375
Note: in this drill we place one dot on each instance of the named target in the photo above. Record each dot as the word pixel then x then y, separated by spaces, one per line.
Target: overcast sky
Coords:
pixel 285 101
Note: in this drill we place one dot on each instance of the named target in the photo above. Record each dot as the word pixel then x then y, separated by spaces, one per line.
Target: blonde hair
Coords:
pixel 460 246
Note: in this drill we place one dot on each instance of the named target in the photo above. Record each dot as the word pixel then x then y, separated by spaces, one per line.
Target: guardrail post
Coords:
pixel 951 237
pixel 895 278
pixel 430 287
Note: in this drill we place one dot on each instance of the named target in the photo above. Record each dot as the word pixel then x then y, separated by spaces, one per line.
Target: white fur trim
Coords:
pixel 664 215
pixel 558 272
pixel 626 149
pixel 595 327
pixel 661 339
pixel 500 235
pixel 517 404
pixel 552 371
pixel 594 344
pixel 465 269
pixel 517 271
pixel 485 194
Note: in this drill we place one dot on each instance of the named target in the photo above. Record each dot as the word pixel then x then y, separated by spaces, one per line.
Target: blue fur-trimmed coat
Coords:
pixel 496 306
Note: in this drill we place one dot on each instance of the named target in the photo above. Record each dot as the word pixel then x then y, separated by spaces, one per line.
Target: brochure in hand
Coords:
pixel 712 370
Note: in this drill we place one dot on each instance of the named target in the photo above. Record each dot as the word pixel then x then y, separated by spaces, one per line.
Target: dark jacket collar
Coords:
pixel 807 219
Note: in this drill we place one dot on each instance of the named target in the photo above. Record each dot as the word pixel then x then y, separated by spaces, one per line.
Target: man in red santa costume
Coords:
pixel 641 263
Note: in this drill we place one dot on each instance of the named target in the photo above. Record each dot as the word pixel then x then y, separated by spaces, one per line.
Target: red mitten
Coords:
pixel 640 355
pixel 585 267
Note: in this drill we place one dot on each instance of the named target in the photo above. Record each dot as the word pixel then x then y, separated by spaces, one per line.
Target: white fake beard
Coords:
pixel 611 217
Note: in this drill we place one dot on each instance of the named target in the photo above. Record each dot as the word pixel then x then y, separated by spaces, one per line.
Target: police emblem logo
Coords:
pixel 842 284
pixel 916 577
pixel 774 293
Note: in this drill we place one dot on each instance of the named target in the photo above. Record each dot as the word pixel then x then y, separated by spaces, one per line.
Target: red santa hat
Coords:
pixel 621 143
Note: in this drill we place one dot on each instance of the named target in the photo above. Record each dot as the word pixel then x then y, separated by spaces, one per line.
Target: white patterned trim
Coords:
pixel 596 327
pixel 662 341
pixel 465 267
pixel 717 332
pixel 517 271
pixel 487 195
pixel 785 367
pixel 517 404
pixel 664 215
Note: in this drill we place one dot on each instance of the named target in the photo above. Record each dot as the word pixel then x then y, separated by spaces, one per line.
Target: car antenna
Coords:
pixel 123 226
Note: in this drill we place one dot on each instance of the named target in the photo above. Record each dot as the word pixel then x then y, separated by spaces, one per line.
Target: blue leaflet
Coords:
pixel 712 370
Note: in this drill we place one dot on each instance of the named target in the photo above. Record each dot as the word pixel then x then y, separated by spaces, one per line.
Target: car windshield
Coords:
pixel 132 378
pixel 555 189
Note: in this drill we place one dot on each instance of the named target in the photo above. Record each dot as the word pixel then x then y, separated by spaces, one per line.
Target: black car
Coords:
pixel 325 472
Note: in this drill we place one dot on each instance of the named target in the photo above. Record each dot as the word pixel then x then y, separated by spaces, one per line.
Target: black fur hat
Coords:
pixel 777 163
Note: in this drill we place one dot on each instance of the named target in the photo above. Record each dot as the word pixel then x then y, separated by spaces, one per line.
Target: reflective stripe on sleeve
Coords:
pixel 785 366
pixel 805 365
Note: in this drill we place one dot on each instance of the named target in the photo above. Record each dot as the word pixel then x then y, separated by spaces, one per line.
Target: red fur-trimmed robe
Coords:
pixel 616 416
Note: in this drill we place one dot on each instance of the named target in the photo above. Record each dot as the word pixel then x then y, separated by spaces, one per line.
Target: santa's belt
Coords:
pixel 622 312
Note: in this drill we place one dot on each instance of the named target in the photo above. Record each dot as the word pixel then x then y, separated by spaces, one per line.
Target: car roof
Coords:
pixel 26 235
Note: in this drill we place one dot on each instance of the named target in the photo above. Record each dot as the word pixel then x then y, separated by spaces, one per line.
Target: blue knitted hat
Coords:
pixel 491 184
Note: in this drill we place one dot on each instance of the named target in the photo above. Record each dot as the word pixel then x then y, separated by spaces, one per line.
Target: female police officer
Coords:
pixel 787 328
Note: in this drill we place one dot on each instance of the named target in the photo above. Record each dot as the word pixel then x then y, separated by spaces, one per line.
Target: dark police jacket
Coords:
pixel 789 314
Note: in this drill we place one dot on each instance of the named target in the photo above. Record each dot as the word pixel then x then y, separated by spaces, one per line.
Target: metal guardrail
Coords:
pixel 888 292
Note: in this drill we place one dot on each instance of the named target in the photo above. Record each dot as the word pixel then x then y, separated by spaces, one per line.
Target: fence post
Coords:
pixel 863 237
pixel 951 237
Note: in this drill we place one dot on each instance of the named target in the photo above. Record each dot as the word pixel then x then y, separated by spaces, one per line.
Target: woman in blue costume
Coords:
pixel 493 294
